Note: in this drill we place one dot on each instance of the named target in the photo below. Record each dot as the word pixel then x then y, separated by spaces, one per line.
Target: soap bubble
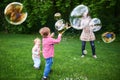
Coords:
pixel 95 23
pixel 15 13
pixel 108 37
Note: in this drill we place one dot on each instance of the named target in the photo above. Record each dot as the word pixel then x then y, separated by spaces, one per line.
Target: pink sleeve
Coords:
pixel 56 41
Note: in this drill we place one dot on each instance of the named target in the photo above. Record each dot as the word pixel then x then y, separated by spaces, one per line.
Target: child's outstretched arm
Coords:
pixel 52 34
pixel 56 41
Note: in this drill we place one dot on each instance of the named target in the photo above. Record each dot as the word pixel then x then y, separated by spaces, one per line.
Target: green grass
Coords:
pixel 16 62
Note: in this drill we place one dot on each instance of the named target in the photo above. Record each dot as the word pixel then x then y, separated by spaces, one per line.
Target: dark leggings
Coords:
pixel 92 46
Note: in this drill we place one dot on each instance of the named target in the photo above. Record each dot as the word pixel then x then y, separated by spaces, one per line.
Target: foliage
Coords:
pixel 41 13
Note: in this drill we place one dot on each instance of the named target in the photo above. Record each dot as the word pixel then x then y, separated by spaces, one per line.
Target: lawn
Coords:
pixel 17 64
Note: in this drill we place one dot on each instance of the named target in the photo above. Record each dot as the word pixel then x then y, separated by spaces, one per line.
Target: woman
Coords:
pixel 87 34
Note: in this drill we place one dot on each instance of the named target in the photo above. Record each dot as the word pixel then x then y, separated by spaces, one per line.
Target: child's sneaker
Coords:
pixel 83 56
pixel 36 67
pixel 44 78
pixel 94 56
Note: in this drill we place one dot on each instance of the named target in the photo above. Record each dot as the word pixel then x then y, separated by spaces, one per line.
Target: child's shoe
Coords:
pixel 83 56
pixel 94 56
pixel 36 67
pixel 44 78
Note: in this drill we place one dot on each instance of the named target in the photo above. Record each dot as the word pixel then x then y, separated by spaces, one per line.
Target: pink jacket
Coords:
pixel 48 46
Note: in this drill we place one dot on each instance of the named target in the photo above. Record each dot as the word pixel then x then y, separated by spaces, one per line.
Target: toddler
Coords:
pixel 36 53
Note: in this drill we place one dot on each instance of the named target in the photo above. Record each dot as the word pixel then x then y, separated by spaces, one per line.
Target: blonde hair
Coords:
pixel 36 39
pixel 45 31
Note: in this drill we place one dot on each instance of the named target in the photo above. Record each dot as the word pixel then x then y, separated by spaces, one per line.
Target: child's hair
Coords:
pixel 45 31
pixel 36 39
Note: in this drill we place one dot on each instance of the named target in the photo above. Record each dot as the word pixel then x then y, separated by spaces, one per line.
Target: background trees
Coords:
pixel 41 13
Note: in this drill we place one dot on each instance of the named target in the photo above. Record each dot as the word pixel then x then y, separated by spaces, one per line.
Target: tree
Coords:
pixel 41 13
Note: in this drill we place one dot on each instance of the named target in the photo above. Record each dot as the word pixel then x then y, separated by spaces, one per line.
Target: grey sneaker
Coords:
pixel 94 56
pixel 44 78
pixel 83 56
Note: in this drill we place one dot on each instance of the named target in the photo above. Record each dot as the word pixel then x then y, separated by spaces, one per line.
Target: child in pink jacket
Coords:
pixel 48 49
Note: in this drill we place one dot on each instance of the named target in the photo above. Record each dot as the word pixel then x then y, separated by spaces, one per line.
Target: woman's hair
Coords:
pixel 86 14
pixel 45 31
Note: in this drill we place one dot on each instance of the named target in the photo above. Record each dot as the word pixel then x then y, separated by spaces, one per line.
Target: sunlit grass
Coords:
pixel 16 62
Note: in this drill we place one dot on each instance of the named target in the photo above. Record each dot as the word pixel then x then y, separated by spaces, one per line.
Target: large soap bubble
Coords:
pixel 76 15
pixel 76 23
pixel 15 13
pixel 79 11
pixel 60 24
pixel 95 23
